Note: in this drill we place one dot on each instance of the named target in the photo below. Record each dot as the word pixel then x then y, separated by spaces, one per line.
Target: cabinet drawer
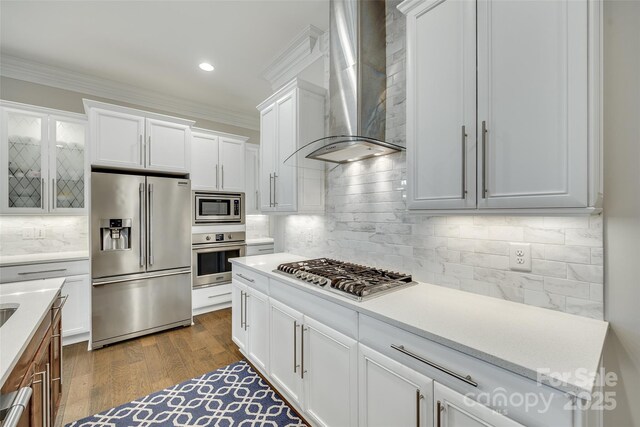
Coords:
pixel 335 316
pixel 251 278
pixel 212 295
pixel 260 249
pixel 48 270
pixel 497 388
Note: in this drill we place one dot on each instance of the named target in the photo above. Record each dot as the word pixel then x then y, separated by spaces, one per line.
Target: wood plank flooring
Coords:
pixel 98 380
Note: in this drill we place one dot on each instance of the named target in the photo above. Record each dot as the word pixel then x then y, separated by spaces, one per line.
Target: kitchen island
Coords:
pixel 470 343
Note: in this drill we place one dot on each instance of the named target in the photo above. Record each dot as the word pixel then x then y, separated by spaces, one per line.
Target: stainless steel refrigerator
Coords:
pixel 140 255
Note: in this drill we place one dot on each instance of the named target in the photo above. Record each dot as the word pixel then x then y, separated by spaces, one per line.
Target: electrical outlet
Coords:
pixel 28 233
pixel 41 233
pixel 520 256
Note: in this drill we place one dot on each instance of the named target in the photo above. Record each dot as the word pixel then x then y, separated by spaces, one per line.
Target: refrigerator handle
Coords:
pixel 150 224
pixel 142 225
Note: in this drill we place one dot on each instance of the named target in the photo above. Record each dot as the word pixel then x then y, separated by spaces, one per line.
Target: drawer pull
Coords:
pixel 467 379
pixel 57 270
pixel 245 278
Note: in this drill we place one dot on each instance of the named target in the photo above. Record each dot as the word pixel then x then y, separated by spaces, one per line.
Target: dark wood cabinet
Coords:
pixel 40 368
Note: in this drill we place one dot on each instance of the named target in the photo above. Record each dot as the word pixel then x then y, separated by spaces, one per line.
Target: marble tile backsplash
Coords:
pixel 61 234
pixel 367 221
pixel 257 226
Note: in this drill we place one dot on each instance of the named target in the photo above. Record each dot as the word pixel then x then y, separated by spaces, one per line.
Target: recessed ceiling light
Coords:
pixel 206 66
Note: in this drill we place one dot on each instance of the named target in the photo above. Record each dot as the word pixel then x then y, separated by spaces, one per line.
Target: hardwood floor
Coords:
pixel 101 379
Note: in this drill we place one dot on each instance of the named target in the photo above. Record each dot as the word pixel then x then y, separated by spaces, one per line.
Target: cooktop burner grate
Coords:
pixel 355 281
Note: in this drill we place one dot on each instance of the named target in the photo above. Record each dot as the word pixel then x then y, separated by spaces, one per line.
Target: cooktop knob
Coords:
pixel 208 238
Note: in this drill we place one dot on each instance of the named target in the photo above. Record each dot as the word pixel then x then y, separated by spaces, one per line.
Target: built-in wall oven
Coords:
pixel 211 255
pixel 218 208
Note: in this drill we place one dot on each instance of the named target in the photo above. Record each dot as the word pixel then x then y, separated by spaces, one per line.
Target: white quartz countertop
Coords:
pixel 34 298
pixel 260 241
pixel 10 260
pixel 523 339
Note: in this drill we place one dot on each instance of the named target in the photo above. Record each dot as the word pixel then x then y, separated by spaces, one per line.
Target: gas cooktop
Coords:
pixel 354 281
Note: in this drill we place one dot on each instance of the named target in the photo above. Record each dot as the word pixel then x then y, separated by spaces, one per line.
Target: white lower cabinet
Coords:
pixel 76 312
pixel 314 366
pixel 330 371
pixel 391 393
pixel 285 351
pixel 238 315
pixel 456 410
pixel 257 326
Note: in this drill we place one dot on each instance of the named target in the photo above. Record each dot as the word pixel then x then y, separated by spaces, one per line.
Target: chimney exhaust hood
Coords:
pixel 357 85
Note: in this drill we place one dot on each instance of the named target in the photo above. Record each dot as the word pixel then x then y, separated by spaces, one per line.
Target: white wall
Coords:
pixel 622 206
pixel 66 100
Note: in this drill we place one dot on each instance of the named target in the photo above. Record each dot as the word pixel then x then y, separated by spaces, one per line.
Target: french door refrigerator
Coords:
pixel 140 255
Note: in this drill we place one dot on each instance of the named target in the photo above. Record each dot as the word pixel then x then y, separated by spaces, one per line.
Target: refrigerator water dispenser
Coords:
pixel 115 234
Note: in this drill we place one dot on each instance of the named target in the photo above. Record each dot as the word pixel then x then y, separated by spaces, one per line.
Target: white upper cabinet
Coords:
pixel 168 146
pixel 204 161
pixel 45 158
pixel 125 138
pixel 117 139
pixel 232 164
pixel 289 119
pixel 521 132
pixel 251 179
pixel 532 103
pixel 441 93
pixel 217 161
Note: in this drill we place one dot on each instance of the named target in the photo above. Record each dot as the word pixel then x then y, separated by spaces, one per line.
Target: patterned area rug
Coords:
pixel 231 396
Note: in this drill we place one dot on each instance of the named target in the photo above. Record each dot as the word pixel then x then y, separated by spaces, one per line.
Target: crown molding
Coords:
pixel 305 48
pixel 35 72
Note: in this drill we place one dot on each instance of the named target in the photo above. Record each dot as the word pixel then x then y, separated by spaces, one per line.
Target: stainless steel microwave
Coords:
pixel 218 208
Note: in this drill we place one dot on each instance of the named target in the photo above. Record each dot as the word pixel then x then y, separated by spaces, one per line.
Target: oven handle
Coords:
pixel 221 246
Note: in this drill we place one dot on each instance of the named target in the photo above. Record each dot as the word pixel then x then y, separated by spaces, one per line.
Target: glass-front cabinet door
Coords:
pixel 24 161
pixel 42 162
pixel 67 165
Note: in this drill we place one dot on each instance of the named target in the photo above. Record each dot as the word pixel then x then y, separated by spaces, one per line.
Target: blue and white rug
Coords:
pixel 231 396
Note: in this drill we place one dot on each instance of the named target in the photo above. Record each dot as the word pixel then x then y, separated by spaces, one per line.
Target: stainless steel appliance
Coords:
pixel 140 259
pixel 211 254
pixel 353 281
pixel 218 208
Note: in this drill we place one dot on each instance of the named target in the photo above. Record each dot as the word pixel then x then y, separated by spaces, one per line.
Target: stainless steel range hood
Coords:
pixel 357 84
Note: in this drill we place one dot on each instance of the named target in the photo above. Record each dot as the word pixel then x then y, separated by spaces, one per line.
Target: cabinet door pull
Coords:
pixel 148 160
pixel 270 191
pixel 485 189
pixel 464 162
pixel 467 379
pixel 57 270
pixel 275 187
pixel 295 346
pixel 245 277
pixel 53 194
pixel 216 176
pixel 19 404
pixel 222 170
pixel 141 151
pixel 246 296
pixel 419 397
pixel 257 202
pixel 302 370
pixel 242 309
pixel 44 201
pixel 439 409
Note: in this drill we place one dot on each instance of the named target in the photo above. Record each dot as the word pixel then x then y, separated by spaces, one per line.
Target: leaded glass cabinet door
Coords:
pixel 24 161
pixel 67 164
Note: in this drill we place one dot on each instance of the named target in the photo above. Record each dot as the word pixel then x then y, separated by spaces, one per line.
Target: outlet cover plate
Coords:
pixel 520 256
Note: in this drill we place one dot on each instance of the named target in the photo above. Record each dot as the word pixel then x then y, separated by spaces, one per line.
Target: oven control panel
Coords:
pixel 208 238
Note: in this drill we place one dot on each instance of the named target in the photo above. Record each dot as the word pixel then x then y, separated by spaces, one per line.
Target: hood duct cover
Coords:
pixel 357 84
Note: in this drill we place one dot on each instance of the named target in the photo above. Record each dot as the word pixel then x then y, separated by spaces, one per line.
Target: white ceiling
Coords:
pixel 157 45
